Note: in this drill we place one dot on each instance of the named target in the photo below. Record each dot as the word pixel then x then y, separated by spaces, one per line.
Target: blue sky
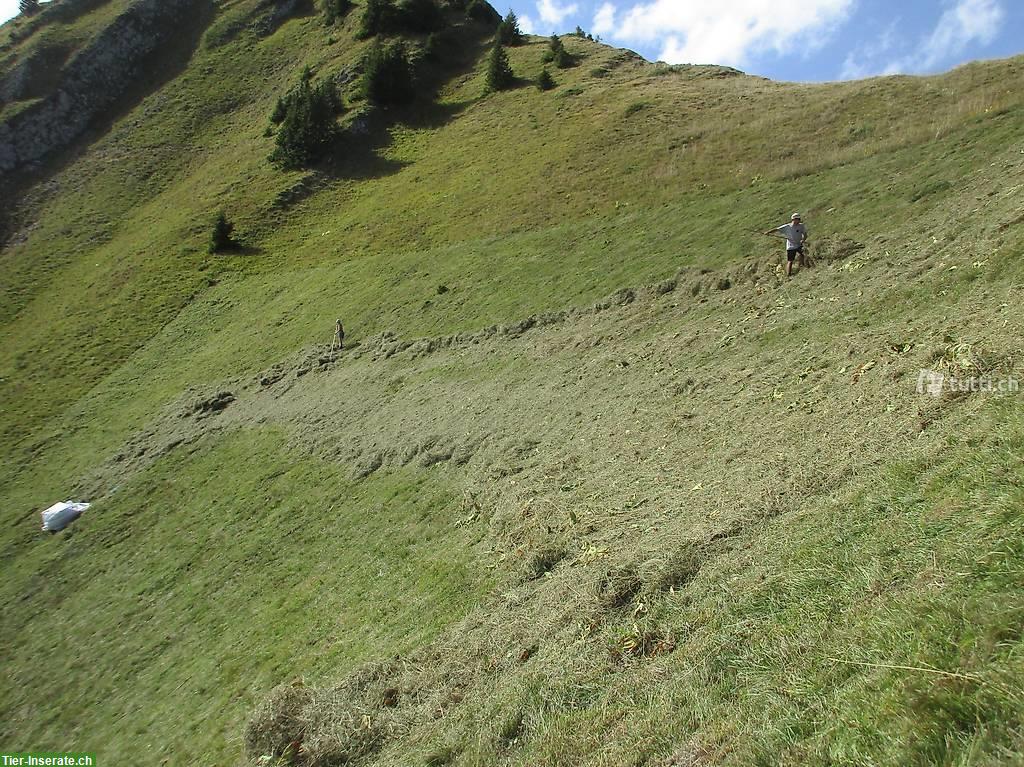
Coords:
pixel 804 40
pixel 786 39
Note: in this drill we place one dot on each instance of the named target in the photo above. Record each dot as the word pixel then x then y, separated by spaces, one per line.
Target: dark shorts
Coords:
pixel 791 254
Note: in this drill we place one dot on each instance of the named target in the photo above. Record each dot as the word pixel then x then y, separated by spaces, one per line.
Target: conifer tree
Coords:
pixel 508 30
pixel 499 71
pixel 220 237
pixel 545 81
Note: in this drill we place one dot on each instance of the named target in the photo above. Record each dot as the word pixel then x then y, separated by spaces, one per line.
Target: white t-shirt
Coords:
pixel 795 235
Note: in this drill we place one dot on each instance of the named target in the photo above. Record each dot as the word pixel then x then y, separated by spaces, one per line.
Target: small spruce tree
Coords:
pixel 553 45
pixel 220 237
pixel 508 30
pixel 545 81
pixel 28 7
pixel 499 71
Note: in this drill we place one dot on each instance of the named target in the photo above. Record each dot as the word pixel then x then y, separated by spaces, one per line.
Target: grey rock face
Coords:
pixel 93 80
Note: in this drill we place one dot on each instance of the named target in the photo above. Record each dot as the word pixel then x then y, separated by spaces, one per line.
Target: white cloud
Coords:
pixel 526 24
pixel 963 23
pixel 730 31
pixel 551 13
pixel 604 20
pixel 857 62
pixel 967 22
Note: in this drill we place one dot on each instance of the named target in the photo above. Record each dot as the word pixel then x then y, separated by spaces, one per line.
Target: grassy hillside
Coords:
pixel 595 484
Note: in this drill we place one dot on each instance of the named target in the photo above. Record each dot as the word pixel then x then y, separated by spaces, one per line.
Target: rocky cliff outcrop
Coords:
pixel 94 79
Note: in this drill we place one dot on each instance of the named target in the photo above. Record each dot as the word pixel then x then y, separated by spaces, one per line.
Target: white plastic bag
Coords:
pixel 62 514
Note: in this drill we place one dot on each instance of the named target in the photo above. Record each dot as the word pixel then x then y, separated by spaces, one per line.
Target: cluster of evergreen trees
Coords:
pixel 335 10
pixel 388 77
pixel 384 17
pixel 307 116
pixel 557 54
pixel 499 72
pixel 28 7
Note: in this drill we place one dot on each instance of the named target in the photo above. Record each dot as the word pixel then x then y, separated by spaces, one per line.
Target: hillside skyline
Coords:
pixel 816 40
pixel 810 41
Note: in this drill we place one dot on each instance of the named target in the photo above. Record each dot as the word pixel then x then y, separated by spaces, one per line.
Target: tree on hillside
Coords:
pixel 308 127
pixel 557 54
pixel 335 9
pixel 388 75
pixel 220 237
pixel 421 16
pixel 379 17
pixel 508 30
pixel 385 17
pixel 28 7
pixel 280 111
pixel 281 107
pixel 545 81
pixel 441 46
pixel 499 71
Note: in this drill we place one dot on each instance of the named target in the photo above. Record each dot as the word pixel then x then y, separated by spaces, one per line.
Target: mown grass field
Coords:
pixel 705 523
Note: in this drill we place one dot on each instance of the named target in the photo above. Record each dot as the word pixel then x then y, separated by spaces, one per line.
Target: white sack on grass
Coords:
pixel 62 514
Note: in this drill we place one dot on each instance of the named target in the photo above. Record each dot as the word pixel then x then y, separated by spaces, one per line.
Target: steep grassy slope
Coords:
pixel 620 495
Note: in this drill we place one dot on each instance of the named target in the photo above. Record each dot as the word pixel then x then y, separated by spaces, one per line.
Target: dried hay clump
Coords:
pixel 618 586
pixel 830 249
pixel 640 642
pixel 681 567
pixel 278 727
pixel 966 359
pixel 340 732
pixel 543 561
pixel 317 727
